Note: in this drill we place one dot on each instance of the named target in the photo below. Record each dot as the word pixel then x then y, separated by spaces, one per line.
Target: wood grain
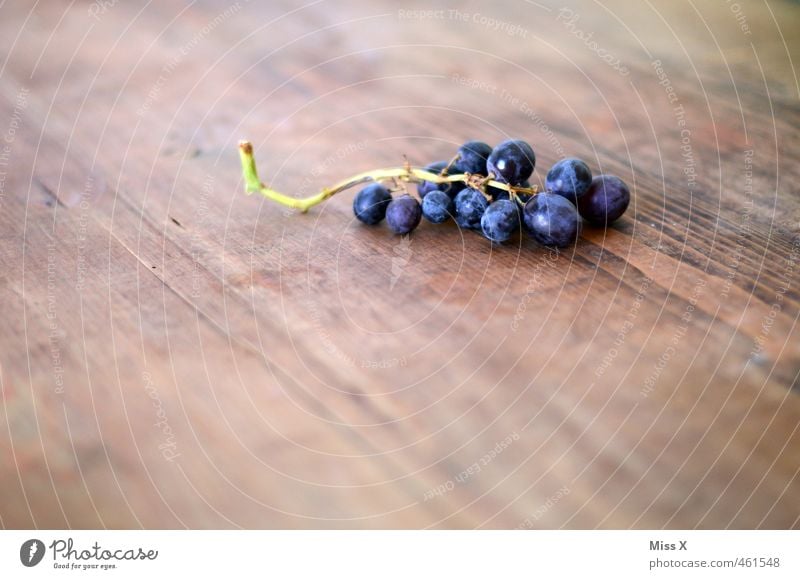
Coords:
pixel 177 354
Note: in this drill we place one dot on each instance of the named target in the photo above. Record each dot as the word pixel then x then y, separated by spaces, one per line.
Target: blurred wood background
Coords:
pixel 177 354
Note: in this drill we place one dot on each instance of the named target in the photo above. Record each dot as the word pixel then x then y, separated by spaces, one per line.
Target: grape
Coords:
pixel 500 220
pixel 470 205
pixel 552 220
pixel 437 207
pixel 605 201
pixel 426 186
pixel 569 178
pixel 472 157
pixel 403 214
pixel 370 203
pixel 511 162
pixel 451 189
pixel 454 188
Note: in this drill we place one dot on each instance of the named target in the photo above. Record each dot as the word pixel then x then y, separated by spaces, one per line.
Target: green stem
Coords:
pixel 407 174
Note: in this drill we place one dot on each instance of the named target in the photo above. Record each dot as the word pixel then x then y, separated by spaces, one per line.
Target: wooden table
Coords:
pixel 177 354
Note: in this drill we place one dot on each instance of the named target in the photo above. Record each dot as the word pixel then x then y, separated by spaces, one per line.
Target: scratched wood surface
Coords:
pixel 177 354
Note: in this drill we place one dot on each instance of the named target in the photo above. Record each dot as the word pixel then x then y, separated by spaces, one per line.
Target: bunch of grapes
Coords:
pixel 552 217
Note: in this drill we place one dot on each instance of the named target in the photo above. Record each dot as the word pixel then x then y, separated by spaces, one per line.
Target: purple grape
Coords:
pixel 605 201
pixel 472 157
pixel 569 178
pixel 451 189
pixel 511 162
pixel 370 203
pixel 427 186
pixel 552 220
pixel 500 220
pixel 403 214
pixel 470 206
pixel 437 207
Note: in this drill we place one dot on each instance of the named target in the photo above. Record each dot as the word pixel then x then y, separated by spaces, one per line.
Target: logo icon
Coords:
pixel 31 552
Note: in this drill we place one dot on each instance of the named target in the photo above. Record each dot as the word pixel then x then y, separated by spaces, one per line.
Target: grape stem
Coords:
pixel 407 174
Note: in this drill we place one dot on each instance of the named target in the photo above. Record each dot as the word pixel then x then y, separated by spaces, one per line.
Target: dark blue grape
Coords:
pixel 569 178
pixel 470 205
pixel 472 157
pixel 511 162
pixel 454 188
pixel 437 207
pixel 552 220
pixel 427 186
pixel 370 203
pixel 403 214
pixel 605 201
pixel 500 220
pixel 451 189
